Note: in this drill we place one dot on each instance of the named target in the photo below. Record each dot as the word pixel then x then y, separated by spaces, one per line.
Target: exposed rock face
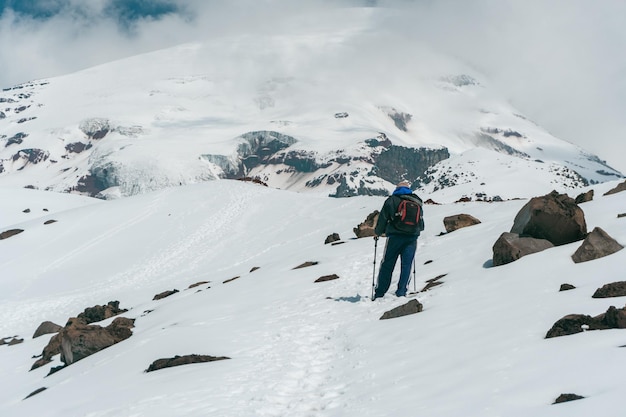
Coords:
pixel 459 221
pixel 95 128
pixel 596 245
pixel 164 294
pixel 614 289
pixel 554 217
pixel 10 341
pixel 8 233
pixel 397 162
pixel 411 307
pixel 620 187
pixel 510 247
pixel 366 228
pixel 327 278
pixel 183 360
pixel 567 287
pixel 584 197
pixel 563 398
pixel 99 313
pixel 79 340
pixel 332 238
pixel 33 155
pixel 47 327
pixel 571 324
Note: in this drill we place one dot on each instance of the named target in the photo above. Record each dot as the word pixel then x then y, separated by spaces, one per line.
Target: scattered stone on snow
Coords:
pixel 231 279
pixel 431 201
pixel 255 180
pixel 50 221
pixel 411 307
pixel 197 284
pixel 554 217
pixel 464 199
pixel 596 245
pixel 459 221
pixel 576 323
pixel 164 294
pixel 428 262
pixel 254 268
pixel 567 287
pixel 621 215
pixel 433 282
pixel 614 289
pixel 339 242
pixel 584 197
pixel 366 229
pixel 26 210
pixel 510 247
pixel 37 391
pixel 47 327
pixel 10 341
pixel 327 278
pixel 619 188
pixel 332 238
pixel 306 264
pixel 183 360
pixel 9 233
pixel 567 397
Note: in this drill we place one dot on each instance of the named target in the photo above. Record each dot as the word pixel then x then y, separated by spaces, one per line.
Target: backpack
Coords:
pixel 407 217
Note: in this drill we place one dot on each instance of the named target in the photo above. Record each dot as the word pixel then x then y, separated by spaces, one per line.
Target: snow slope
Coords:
pixel 300 348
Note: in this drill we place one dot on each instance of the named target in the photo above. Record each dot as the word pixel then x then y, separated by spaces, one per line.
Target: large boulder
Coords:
pixel 79 340
pixel 510 247
pixel 596 245
pixel 366 228
pixel 584 197
pixel 99 313
pixel 554 217
pixel 459 221
pixel 47 327
pixel 576 323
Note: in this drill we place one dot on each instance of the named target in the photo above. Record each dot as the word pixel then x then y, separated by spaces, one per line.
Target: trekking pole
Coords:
pixel 414 278
pixel 374 272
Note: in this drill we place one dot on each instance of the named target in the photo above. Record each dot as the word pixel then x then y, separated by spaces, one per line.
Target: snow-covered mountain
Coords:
pixel 298 347
pixel 310 110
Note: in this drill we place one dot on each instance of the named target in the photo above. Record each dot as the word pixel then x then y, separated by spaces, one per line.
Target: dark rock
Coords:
pixel 571 324
pixel 33 155
pixel 306 264
pixel 433 282
pixel 37 391
pixel 619 216
pixel 337 243
pixel 47 327
pixel 95 128
pixel 26 210
pixel 50 221
pixel 164 294
pixel 366 228
pixel 77 147
pixel 52 348
pixel 566 287
pixel 14 341
pixel 584 197
pixel 510 247
pixel 554 217
pixel 411 307
pixel 183 360
pixel 255 180
pixel 8 233
pixel 327 278
pixel 618 189
pixel 231 279
pixel 567 397
pixel 464 200
pixel 341 115
pixel 254 268
pixel 398 162
pixel 332 238
pixel 197 284
pixel 431 201
pixel 459 221
pixel 596 245
pixel 614 289
pixel 99 313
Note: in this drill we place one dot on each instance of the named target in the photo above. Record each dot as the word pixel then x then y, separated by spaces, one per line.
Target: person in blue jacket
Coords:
pixel 400 242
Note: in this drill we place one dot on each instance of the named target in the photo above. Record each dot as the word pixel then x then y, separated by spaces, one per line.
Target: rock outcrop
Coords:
pixel 366 229
pixel 47 327
pixel 614 289
pixel 618 189
pixel 183 360
pixel 412 307
pixel 576 323
pixel 510 247
pixel 332 238
pixel 9 233
pixel 563 398
pixel 554 217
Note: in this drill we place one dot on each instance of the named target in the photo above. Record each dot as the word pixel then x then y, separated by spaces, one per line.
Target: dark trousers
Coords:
pixel 404 247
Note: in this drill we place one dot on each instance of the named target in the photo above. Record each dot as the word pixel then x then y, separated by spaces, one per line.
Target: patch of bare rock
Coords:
pixel 618 189
pixel 597 244
pixel 366 229
pixel 458 221
pixel 183 360
pixel 412 307
pixel 576 323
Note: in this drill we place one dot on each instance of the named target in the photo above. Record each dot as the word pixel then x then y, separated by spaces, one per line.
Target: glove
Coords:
pixel 376 237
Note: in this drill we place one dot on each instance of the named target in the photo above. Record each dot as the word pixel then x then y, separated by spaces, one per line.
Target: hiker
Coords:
pixel 401 235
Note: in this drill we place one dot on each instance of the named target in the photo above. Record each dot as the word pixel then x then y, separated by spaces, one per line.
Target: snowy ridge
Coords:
pixel 301 348
pixel 178 116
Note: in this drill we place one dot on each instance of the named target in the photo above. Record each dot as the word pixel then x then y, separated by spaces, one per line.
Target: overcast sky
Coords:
pixel 561 62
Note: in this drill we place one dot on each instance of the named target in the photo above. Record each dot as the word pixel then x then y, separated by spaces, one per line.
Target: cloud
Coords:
pixel 560 62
